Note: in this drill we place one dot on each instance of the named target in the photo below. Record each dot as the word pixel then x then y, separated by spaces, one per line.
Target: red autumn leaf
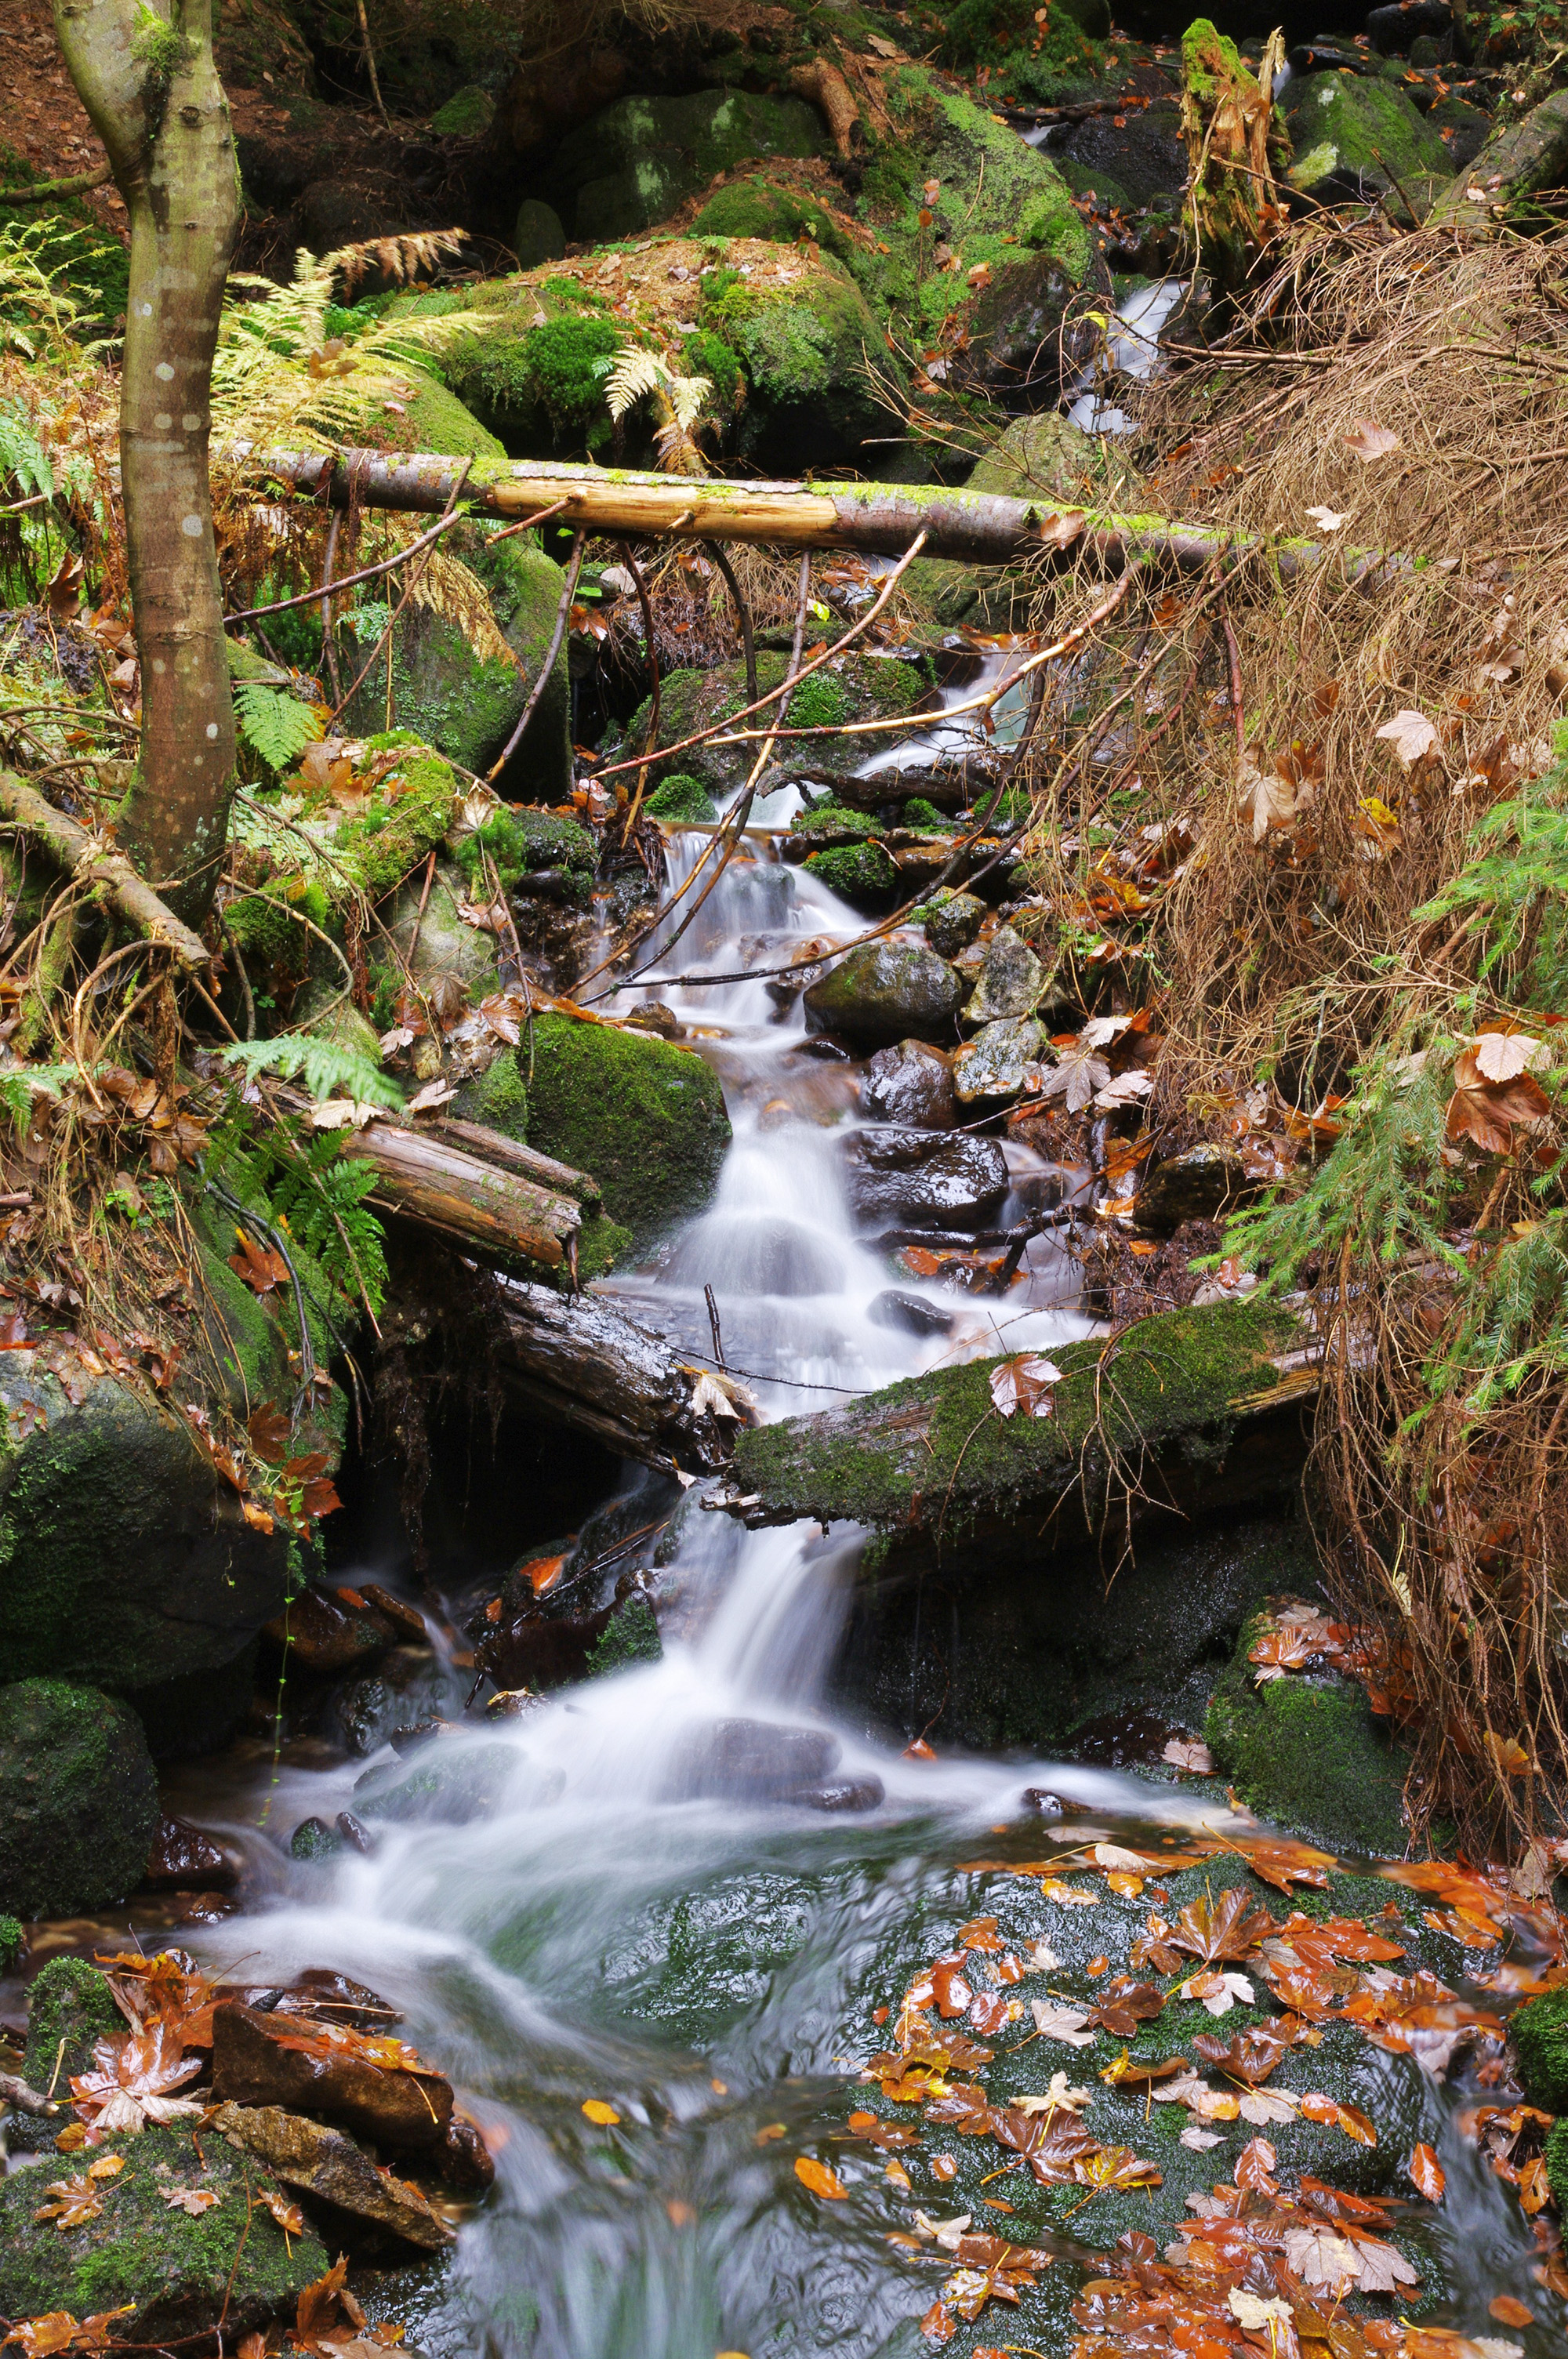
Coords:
pixel 319 1498
pixel 1427 2173
pixel 939 2324
pixel 1227 1928
pixel 820 2179
pixel 268 1430
pixel 1254 2167
pixel 260 1271
pixel 953 1995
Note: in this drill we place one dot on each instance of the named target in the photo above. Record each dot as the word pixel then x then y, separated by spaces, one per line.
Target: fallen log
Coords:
pixel 493 1215
pixel 511 1154
pixel 94 862
pixel 876 520
pixel 577 1359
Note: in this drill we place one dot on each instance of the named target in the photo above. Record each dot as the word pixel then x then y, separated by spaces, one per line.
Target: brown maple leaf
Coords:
pixel 131 2082
pixel 1052 2143
pixel 1228 1926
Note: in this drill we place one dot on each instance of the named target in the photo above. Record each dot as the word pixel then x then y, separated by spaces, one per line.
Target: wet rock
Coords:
pixel 887 991
pixel 864 874
pixel 356 1833
pixel 846 1794
pixel 952 922
pixel 850 688
pixel 1142 151
pixel 453 1785
pixel 1516 163
pixel 652 1016
pixel 1009 980
pixel 1193 1186
pixel 314 1839
pixel 1357 138
pixel 328 2167
pixel 324 1636
pixel 924 1179
pixel 252 2066
pixel 633 164
pixel 1393 29
pixel 1540 2031
pixel 406 1684
pixel 1043 1802
pixel 182 1859
pixel 1463 129
pixel 1024 340
pixel 991 1066
pixel 1308 1752
pixel 175 2274
pixel 78 1800
pixel 751 1760
pixel 465 2161
pixel 912 1084
pixel 196 1711
pixel 909 1313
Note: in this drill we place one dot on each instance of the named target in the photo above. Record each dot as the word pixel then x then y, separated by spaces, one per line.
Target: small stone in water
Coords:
pixel 1043 1802
pixel 356 1833
pixel 842 1794
pixel 314 1839
pixel 909 1312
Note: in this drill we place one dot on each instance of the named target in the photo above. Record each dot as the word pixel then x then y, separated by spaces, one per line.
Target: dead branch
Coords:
pixel 97 865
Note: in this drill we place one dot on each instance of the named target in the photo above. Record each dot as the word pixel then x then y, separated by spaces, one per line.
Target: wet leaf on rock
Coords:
pixel 1427 2173
pixel 820 2179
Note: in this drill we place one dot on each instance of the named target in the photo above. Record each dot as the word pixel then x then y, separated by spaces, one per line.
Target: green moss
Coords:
pixel 379 846
pixel 467 114
pixel 1557 2163
pixel 754 207
pixel 1540 2035
pixel 69 2009
pixel 681 796
pixel 78 1800
pixel 601 1244
pixel 69 245
pixel 631 1635
pixel 314 1839
pixel 804 348
pixel 432 419
pixel 633 164
pixel 267 928
pixel 851 688
pixel 11 1943
pixel 1309 1752
pixel 860 872
pixel 646 1117
pixel 523 841
pixel 832 822
pixel 819 703
pixel 938 1438
pixel 499 1097
pixel 540 388
pixel 179 2273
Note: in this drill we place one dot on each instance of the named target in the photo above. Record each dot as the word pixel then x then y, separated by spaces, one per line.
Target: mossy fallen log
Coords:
pixel 972 527
pixel 97 864
pixel 1139 1423
pixel 492 1214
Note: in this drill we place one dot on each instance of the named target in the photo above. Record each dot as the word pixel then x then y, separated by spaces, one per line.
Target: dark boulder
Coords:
pixel 78 1800
pixel 910 1083
pixel 751 1760
pixel 924 1179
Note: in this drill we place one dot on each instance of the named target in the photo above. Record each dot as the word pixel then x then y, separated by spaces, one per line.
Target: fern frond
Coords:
pixel 276 727
pixel 327 1069
pixel 687 395
pixel 400 258
pixel 448 588
pixel 633 373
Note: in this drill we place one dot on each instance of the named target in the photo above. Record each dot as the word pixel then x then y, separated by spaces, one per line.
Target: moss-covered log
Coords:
pixel 1157 1410
pixel 878 519
pixel 493 1215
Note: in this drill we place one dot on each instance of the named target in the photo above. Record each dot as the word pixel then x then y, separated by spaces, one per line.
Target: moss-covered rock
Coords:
pixel 630 166
pixel 1540 2034
pixel 428 418
pixel 1039 457
pixel 462 691
pixel 525 841
pixel 538 234
pixel 78 1800
pixel 446 943
pixel 851 688
pixel 535 370
pixel 646 1117
pixel 1354 137
pixel 410 812
pixel 1051 60
pixel 756 206
pixel 866 875
pixel 630 1636
pixel 70 2008
pixel 467 114
pixel 806 344
pixel 1519 163
pixel 177 2273
pixel 887 991
pixel 681 799
pixel 1309 1752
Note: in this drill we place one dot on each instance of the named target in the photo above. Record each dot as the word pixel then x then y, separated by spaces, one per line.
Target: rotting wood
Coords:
pixel 495 1216
pixel 96 863
pixel 874 519
pixel 511 1154
pixel 579 1361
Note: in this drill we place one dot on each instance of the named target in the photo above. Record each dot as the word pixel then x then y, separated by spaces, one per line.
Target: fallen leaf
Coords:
pixel 1484 1111
pixel 289 2216
pixel 1328 519
pixel 1368 440
pixel 193 2200
pixel 1189 1754
pixel 1061 2022
pixel 1260 2317
pixel 1023 1381
pixel 71 2201
pixel 1509 2313
pixel 598 2111
pixel 1411 736
pixel 1320 2258
pixel 820 2179
pixel 1427 2174
pixel 1198 2140
pixel 1330 2113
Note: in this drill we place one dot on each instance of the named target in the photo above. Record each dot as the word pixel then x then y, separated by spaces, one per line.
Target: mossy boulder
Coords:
pixel 681 799
pixel 178 2275
pixel 631 165
pixel 1051 60
pixel 848 689
pixel 1308 1751
pixel 467 114
pixel 1358 137
pixel 538 234
pixel 523 842
pixel 124 1559
pixel 446 943
pixel 429 417
pixel 755 206
pixel 1519 163
pixel 461 690
pixel 887 991
pixel 69 2009
pixel 534 371
pixel 807 344
pixel 865 875
pixel 630 1636
pixel 1540 2034
pixel 78 1800
pixel 646 1117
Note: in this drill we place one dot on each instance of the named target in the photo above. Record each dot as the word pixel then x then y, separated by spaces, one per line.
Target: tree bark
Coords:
pixel 151 88
pixel 493 1215
pixel 878 519
pixel 577 1359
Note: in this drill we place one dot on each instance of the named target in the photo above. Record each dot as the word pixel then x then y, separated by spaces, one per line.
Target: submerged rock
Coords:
pixel 453 1785
pixel 910 1312
pixel 78 1800
pixel 887 991
pixel 922 1177
pixel 751 1760
pixel 911 1083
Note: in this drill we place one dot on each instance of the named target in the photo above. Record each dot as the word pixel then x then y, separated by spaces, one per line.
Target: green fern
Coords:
pixel 276 727
pixel 327 1069
pixel 321 1196
pixel 17 1086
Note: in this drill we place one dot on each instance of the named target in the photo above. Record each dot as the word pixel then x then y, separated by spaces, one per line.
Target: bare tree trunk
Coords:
pixel 150 85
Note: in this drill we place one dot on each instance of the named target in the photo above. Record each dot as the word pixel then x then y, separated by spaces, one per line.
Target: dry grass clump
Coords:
pixel 1323 831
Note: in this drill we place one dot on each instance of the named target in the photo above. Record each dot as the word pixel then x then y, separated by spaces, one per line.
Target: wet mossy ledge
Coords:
pixel 1308 1751
pixel 645 1116
pixel 935 1453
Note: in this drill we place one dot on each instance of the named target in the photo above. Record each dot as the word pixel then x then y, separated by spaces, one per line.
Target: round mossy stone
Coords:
pixel 681 798
pixel 864 874
pixel 538 236
pixel 1309 1752
pixel 645 1117
pixel 78 1800
pixel 1540 2035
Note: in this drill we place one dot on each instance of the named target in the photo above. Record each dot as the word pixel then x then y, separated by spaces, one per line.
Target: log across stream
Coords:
pixel 686 1888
